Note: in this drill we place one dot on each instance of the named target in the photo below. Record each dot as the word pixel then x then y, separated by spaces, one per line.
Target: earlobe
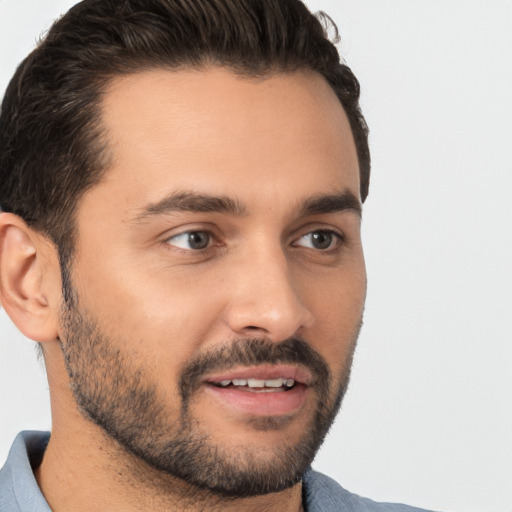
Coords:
pixel 22 275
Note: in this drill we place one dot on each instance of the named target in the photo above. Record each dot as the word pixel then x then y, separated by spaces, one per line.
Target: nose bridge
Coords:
pixel 266 301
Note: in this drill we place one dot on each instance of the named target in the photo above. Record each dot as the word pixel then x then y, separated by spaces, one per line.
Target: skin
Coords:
pixel 270 145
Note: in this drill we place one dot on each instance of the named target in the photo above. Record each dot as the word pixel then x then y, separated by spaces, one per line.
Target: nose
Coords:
pixel 264 301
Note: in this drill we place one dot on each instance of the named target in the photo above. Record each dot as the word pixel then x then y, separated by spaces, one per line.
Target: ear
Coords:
pixel 27 288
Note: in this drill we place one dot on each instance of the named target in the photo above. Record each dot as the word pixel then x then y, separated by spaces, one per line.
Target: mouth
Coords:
pixel 261 390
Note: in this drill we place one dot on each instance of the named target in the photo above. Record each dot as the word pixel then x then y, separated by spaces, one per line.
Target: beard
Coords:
pixel 114 390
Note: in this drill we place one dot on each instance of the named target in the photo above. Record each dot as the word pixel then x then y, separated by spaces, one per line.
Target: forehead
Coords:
pixel 214 131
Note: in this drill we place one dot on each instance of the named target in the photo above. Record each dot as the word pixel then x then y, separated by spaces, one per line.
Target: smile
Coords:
pixel 266 390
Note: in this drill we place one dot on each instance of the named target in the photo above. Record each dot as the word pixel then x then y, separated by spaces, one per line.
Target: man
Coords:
pixel 181 186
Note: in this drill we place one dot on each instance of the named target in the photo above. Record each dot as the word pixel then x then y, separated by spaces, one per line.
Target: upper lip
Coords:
pixel 264 372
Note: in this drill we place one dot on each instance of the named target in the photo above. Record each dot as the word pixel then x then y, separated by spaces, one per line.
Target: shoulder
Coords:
pixel 19 491
pixel 323 494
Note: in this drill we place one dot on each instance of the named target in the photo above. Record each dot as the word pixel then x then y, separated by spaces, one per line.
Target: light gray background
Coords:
pixel 428 418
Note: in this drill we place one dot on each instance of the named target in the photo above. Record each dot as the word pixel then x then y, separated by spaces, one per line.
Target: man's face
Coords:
pixel 219 275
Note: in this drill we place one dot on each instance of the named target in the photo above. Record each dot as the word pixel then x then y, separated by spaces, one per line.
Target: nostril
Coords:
pixel 254 330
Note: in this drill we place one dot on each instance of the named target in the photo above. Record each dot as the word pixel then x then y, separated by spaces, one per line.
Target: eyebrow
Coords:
pixel 332 203
pixel 192 202
pixel 204 203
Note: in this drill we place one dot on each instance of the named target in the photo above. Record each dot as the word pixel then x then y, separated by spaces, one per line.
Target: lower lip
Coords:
pixel 263 404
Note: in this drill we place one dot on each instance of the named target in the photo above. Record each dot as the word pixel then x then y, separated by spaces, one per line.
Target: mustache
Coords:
pixel 249 352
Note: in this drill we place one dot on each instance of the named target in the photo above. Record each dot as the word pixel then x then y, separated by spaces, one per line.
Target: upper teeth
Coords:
pixel 258 383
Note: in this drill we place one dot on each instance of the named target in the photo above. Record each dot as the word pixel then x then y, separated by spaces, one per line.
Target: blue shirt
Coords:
pixel 19 491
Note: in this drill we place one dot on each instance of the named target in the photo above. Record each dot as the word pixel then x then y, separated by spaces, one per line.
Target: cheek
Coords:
pixel 338 309
pixel 162 316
